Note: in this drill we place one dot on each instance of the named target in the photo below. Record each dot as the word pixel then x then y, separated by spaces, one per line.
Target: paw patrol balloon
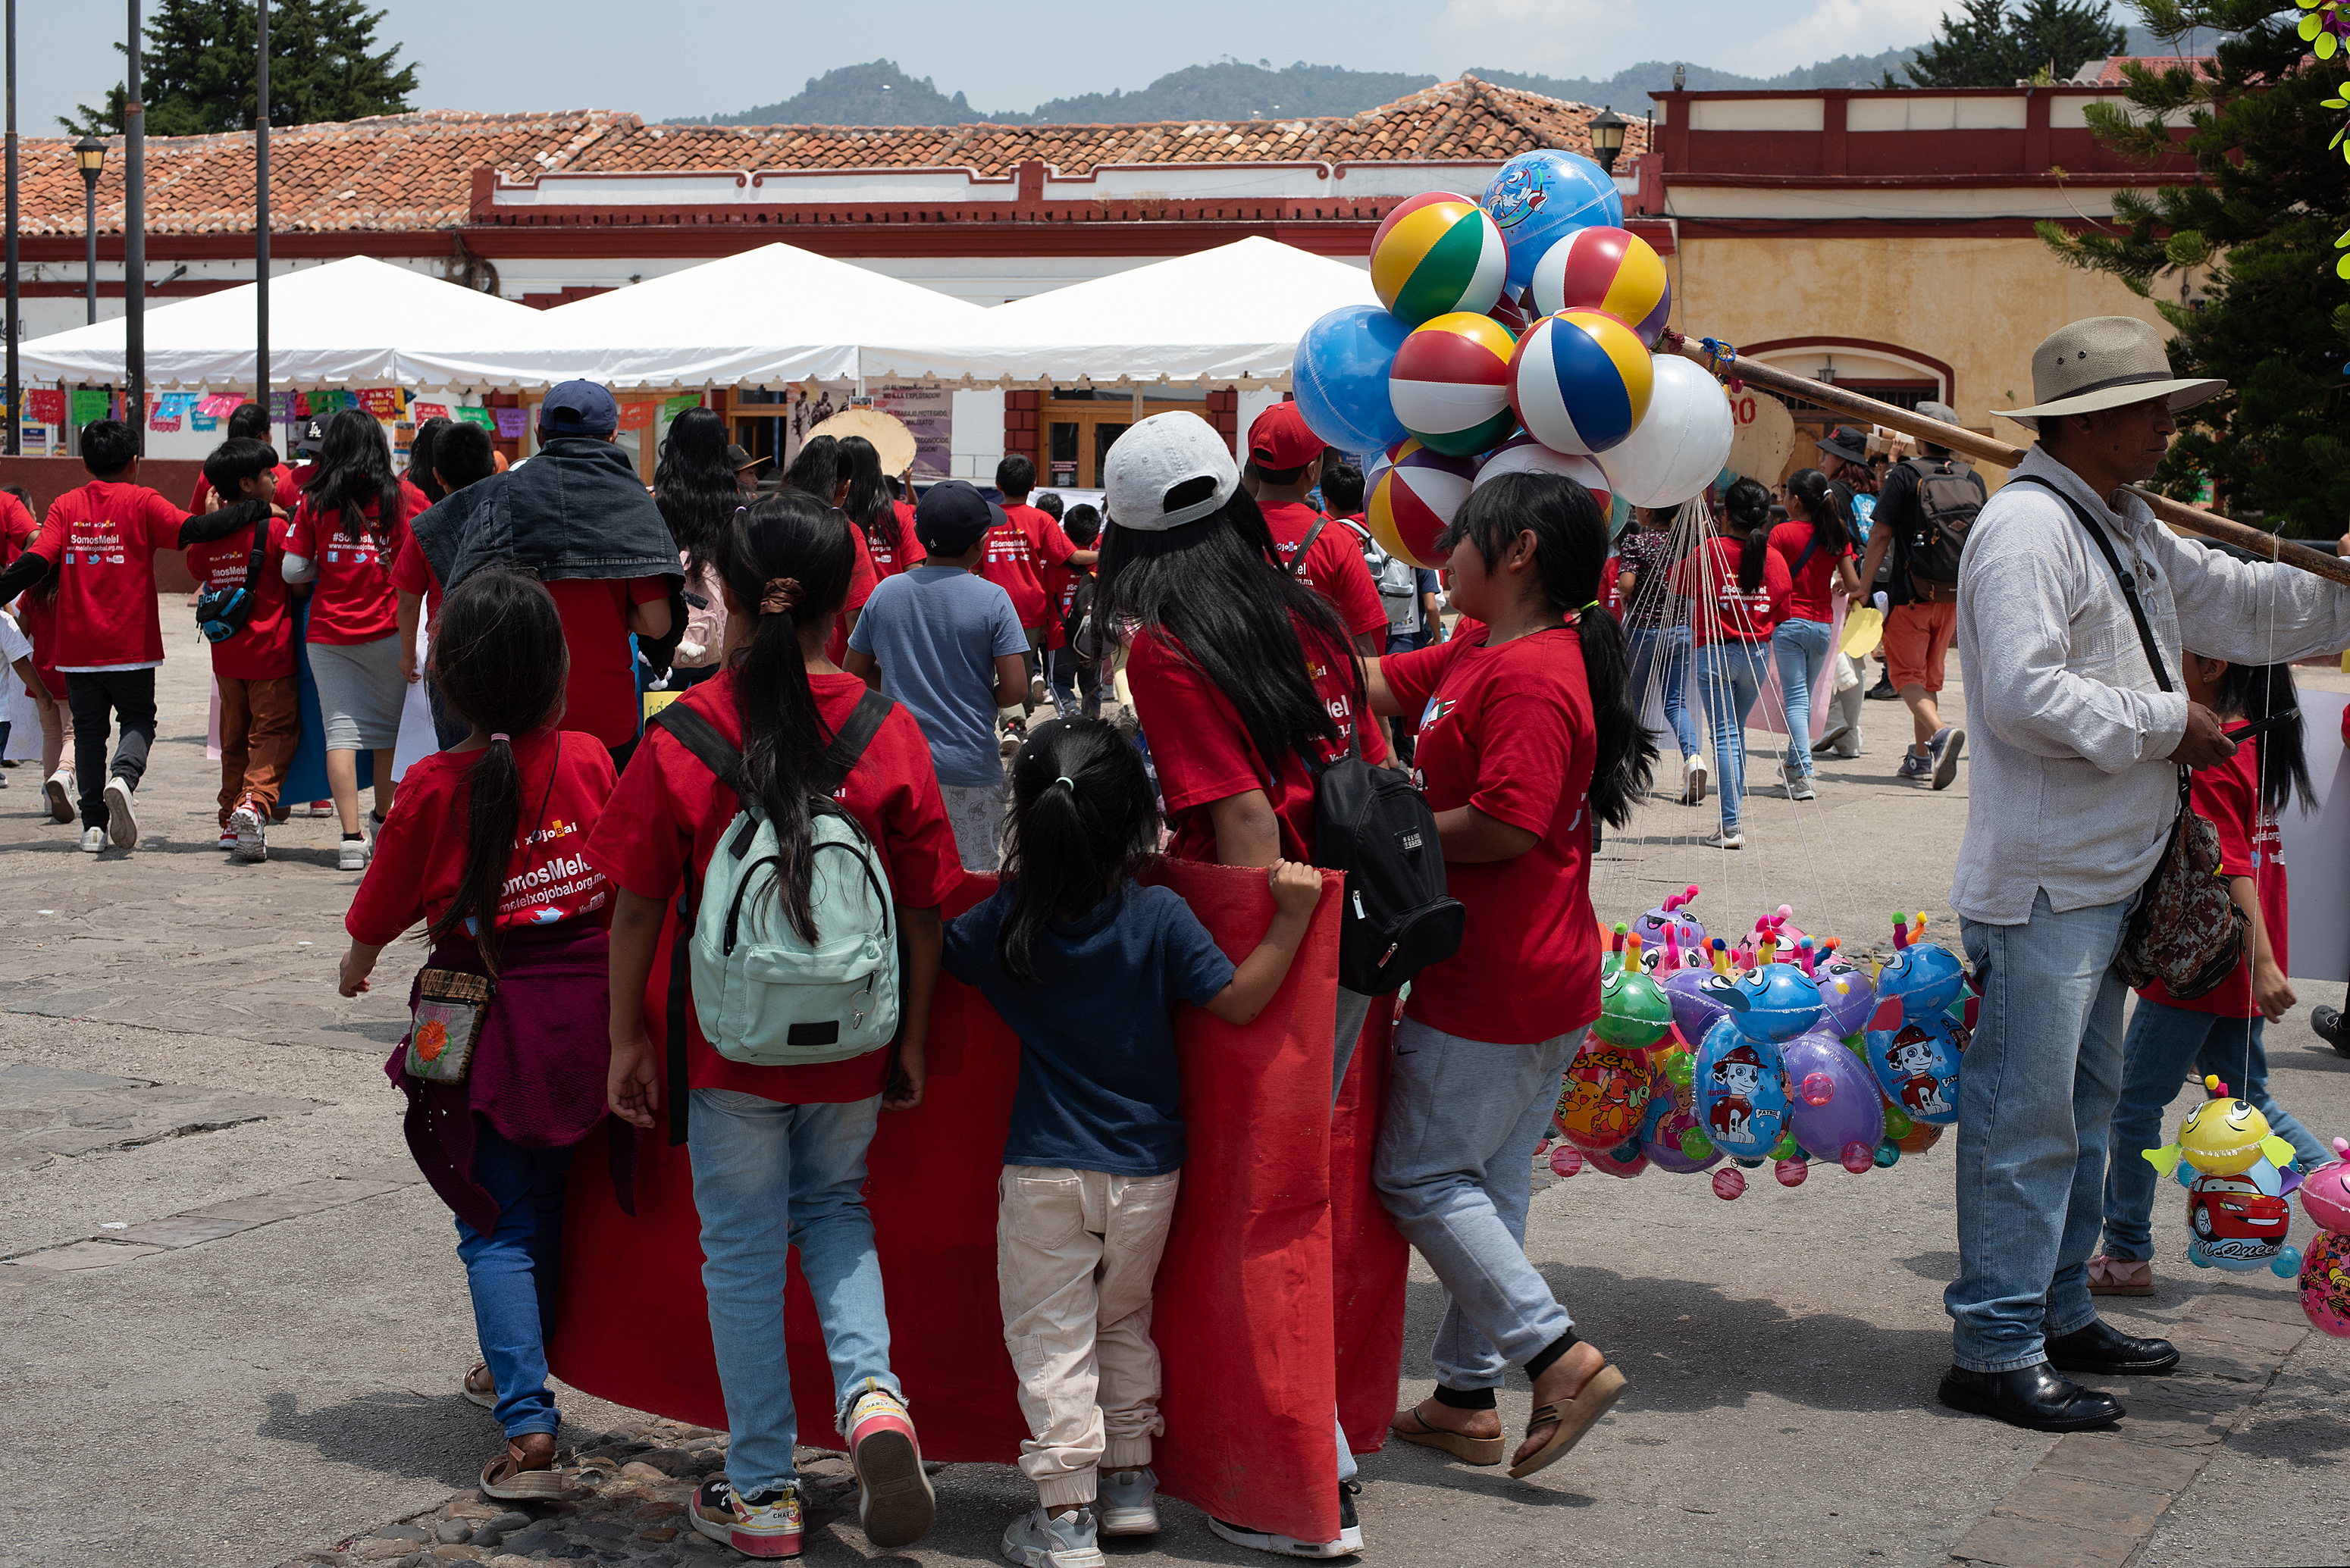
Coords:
pixel 1742 1091
pixel 1913 1044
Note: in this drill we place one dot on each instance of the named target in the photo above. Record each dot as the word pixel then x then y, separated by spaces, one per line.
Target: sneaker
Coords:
pixel 122 821
pixel 2328 1023
pixel 1350 1541
pixel 1882 691
pixel 1947 744
pixel 321 808
pixel 93 840
pixel 1800 787
pixel 354 855
pixel 763 1524
pixel 1037 1539
pixel 895 1504
pixel 1915 767
pixel 1723 838
pixel 1015 735
pixel 246 840
pixel 1831 736
pixel 1692 781
pixel 227 838
pixel 60 791
pixel 1036 691
pixel 1129 1503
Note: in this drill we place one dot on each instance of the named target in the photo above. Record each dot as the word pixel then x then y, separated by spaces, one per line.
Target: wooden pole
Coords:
pixel 2258 542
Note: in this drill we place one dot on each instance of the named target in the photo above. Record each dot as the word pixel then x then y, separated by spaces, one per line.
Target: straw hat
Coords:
pixel 2105 362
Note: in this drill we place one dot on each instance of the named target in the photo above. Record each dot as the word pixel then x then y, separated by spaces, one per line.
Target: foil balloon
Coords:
pixel 2223 1137
pixel 1688 932
pixel 1914 1046
pixel 1742 1091
pixel 1634 1011
pixel 1672 1115
pixel 2325 1192
pixel 2238 1225
pixel 2325 1284
pixel 1846 993
pixel 1603 1098
pixel 1853 1111
pixel 1773 1001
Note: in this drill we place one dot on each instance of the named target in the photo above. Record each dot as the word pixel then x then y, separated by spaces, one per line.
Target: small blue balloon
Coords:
pixel 2286 1265
pixel 1540 198
pixel 1887 1153
pixel 1340 377
pixel 2186 1174
pixel 2195 1255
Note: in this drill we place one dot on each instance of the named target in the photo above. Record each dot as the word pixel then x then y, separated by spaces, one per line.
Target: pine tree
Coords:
pixel 1991 47
pixel 2257 232
pixel 196 68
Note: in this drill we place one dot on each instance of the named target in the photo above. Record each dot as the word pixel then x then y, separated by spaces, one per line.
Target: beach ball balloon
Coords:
pixel 1413 499
pixel 1580 381
pixel 1603 1098
pixel 1436 254
pixel 1340 377
pixel 1524 454
pixel 2325 1284
pixel 1450 386
pixel 1540 198
pixel 1680 444
pixel 1515 311
pixel 1606 268
pixel 1741 1092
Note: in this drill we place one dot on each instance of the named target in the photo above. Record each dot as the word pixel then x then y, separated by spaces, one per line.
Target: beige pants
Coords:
pixel 1074 1254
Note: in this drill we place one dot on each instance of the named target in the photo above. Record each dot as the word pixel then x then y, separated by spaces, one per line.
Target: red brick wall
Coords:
pixel 1224 413
pixel 1024 431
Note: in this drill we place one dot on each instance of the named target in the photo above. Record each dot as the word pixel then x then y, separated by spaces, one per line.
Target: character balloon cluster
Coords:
pixel 1514 334
pixel 1793 1062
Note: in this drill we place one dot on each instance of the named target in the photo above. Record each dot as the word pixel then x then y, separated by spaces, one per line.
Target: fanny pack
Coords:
pixel 451 1008
pixel 222 613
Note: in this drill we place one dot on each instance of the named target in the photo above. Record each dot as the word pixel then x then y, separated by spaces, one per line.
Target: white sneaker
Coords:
pixel 60 791
pixel 1692 780
pixel 1129 1502
pixel 121 820
pixel 895 1504
pixel 1350 1541
pixel 354 856
pixel 246 840
pixel 93 840
pixel 1037 1539
pixel 1722 838
pixel 227 838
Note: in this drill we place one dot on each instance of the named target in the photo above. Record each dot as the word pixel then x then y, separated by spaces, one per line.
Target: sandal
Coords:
pixel 1469 1450
pixel 1574 1417
pixel 525 1475
pixel 479 1387
pixel 2121 1276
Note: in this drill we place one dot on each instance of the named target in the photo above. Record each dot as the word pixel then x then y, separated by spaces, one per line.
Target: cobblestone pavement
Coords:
pixel 231 1320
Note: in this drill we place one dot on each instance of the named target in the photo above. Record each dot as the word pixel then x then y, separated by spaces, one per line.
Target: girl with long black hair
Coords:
pixel 1532 736
pixel 351 525
pixel 1736 581
pixel 484 847
pixel 868 505
pixel 778 1152
pixel 694 486
pixel 1085 966
pixel 1816 545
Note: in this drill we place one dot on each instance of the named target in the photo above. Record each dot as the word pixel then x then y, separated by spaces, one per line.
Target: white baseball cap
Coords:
pixel 1155 456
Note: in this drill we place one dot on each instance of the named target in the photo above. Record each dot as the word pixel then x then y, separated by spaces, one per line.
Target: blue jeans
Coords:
pixel 511 1271
pixel 1800 649
pixel 2035 1111
pixel 2162 1043
pixel 1729 674
pixel 1455 1168
pixel 767 1177
pixel 1662 654
pixel 1069 678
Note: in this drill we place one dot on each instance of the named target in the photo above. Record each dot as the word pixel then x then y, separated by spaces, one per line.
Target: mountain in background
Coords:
pixel 881 94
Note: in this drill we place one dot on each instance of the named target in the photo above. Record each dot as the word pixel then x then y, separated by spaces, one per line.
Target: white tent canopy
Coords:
pixel 1224 317
pixel 353 322
pixel 769 316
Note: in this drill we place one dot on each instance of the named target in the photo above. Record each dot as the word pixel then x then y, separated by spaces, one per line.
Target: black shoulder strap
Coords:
pixel 1297 561
pixel 2129 582
pixel 1812 543
pixel 700 736
pixel 865 721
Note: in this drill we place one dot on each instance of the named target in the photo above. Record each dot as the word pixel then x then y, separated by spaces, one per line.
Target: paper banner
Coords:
pixel 423 411
pixel 90 404
pixel 202 420
pixel 637 416
pixel 47 407
pixel 216 404
pixel 167 412
pixel 512 422
pixel 384 403
pixel 673 407
pixel 486 418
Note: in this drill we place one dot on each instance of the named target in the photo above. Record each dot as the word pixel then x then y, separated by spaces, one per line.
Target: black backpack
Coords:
pixel 1398 918
pixel 1949 497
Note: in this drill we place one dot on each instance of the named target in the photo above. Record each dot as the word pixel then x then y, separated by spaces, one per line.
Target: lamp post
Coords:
pixel 1606 129
pixel 16 409
pixel 89 154
pixel 261 208
pixel 134 241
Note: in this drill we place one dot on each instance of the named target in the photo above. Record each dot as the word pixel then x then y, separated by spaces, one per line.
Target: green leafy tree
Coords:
pixel 196 68
pixel 2254 235
pixel 1990 45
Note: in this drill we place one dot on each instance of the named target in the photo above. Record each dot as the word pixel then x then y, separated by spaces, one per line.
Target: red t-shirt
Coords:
pixel 669 812
pixel 1724 611
pixel 908 554
pixel 1808 592
pixel 263 647
pixel 16 527
pixel 293 481
pixel 1332 568
pixel 2228 794
pixel 600 697
pixel 1018 552
pixel 412 573
pixel 1509 729
pixel 1060 594
pixel 38 621
pixel 419 854
pixel 353 601
pixel 862 579
pixel 104 535
pixel 1203 751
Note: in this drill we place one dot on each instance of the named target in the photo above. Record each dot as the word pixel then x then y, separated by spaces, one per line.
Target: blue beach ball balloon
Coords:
pixel 1340 377
pixel 1540 198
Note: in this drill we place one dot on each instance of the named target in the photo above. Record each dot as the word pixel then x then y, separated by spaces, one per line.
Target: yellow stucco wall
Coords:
pixel 1980 305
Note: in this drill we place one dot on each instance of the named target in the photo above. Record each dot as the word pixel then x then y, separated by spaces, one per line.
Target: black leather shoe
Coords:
pixel 2033 1397
pixel 2102 1350
pixel 2327 1023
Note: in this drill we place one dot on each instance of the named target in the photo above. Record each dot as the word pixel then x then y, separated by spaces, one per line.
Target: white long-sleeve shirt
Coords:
pixel 2068 786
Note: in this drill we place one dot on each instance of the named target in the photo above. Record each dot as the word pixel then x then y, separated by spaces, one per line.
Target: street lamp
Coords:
pixel 1606 129
pixel 89 153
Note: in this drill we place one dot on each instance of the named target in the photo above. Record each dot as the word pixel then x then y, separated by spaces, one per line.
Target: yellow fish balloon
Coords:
pixel 2223 1137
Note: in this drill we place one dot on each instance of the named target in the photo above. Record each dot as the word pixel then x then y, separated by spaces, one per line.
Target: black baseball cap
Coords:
pixel 308 437
pixel 580 409
pixel 952 517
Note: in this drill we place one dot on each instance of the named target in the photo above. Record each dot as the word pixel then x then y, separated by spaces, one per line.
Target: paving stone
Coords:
pixel 2277 1338
pixel 181 1231
pixel 80 1256
pixel 2086 1504
pixel 307 1197
pixel 2115 1459
pixel 2283 1305
pixel 2015 1542
pixel 453 1532
pixel 666 1532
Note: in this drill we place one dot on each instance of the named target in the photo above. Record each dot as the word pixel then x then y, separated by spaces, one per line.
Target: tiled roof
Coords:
pixel 413 171
pixel 2108 72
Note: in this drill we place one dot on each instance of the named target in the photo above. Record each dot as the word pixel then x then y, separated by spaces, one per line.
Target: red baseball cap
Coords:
pixel 1279 439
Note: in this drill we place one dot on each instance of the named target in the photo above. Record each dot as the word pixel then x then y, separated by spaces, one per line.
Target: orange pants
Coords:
pixel 261 721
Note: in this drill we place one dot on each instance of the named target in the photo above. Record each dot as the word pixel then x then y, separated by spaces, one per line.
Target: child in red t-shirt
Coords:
pixel 244 583
pixel 485 845
pixel 1074 674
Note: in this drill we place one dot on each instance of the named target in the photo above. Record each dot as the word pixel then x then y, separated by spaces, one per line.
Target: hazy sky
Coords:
pixel 722 56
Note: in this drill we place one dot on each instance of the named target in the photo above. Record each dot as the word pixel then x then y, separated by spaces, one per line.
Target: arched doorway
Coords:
pixel 1886 372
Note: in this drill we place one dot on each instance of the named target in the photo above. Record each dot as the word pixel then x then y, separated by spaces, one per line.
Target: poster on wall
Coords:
pixel 929 413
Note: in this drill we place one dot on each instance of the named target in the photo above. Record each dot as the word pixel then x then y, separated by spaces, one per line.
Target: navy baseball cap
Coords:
pixel 952 517
pixel 579 408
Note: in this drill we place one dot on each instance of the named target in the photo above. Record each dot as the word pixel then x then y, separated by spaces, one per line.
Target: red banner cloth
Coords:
pixel 1281 1290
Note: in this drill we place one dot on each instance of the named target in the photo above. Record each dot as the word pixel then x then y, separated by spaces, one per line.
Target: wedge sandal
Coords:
pixel 1469 1450
pixel 2121 1276
pixel 1574 1417
pixel 505 1478
pixel 479 1387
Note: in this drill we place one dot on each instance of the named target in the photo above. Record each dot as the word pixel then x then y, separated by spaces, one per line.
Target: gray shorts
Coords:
pixel 361 693
pixel 976 813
